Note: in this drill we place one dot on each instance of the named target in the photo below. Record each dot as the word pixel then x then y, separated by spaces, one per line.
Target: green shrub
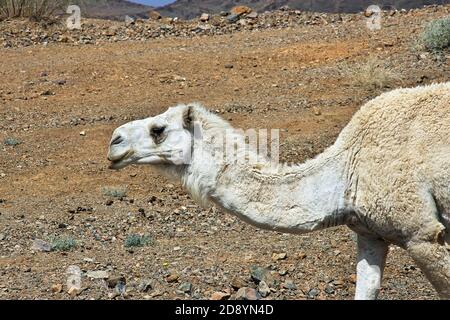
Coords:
pixel 115 192
pixel 63 243
pixel 136 240
pixel 436 36
pixel 11 142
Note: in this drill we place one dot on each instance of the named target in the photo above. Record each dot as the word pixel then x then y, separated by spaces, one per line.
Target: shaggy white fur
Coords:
pixel 387 177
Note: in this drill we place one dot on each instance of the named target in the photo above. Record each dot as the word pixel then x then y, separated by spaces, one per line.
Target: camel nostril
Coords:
pixel 117 140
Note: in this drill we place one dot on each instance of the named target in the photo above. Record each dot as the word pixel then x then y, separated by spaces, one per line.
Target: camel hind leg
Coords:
pixel 428 247
pixel 434 261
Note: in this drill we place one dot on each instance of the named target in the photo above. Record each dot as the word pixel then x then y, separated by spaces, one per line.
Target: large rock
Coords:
pixel 154 15
pixel 289 284
pixel 220 296
pixel 112 282
pixel 204 17
pixel 240 10
pixel 73 280
pixel 313 293
pixel 145 285
pixel 247 294
pixel 259 274
pixel 129 21
pixel 232 18
pixel 173 277
pixel 98 274
pixel 237 283
pixel 252 15
pixel 41 245
pixel 185 287
pixel 57 288
pixel 279 256
pixel 263 289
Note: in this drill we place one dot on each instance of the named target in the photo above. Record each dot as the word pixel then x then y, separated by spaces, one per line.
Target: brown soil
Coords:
pixel 279 79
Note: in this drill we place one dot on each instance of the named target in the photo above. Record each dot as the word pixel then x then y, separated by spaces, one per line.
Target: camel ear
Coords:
pixel 190 121
pixel 188 116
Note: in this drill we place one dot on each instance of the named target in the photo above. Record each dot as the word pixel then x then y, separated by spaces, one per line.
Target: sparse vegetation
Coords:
pixel 136 240
pixel 373 74
pixel 53 181
pixel 37 9
pixel 436 36
pixel 63 243
pixel 115 192
pixel 11 142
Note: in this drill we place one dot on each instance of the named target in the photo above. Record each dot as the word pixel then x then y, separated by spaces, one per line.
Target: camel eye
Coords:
pixel 157 131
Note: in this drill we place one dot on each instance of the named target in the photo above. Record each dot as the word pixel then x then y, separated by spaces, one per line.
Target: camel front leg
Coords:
pixel 369 269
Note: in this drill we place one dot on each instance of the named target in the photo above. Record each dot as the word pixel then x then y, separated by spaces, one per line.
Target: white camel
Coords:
pixel 387 177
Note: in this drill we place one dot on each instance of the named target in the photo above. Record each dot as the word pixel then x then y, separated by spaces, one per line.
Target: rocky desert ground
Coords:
pixel 132 234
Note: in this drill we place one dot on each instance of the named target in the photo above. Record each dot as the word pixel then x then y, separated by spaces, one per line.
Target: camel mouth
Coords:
pixel 119 162
pixel 116 165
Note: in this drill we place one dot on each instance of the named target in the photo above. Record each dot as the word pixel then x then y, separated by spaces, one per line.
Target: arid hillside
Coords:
pixel 112 9
pixel 135 235
pixel 189 9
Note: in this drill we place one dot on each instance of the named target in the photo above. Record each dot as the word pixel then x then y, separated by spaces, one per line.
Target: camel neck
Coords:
pixel 293 199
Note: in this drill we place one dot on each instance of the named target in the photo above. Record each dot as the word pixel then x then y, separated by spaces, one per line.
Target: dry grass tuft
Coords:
pixel 372 75
pixel 34 9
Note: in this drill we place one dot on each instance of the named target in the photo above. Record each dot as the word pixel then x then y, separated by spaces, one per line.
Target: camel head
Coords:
pixel 163 139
